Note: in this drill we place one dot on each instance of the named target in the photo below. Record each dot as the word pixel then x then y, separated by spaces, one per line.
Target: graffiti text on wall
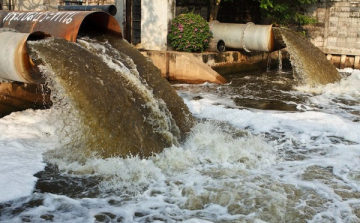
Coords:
pixel 61 17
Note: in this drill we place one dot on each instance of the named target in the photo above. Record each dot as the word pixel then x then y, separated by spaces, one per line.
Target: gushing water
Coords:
pixel 109 108
pixel 261 150
pixel 310 65
pixel 280 67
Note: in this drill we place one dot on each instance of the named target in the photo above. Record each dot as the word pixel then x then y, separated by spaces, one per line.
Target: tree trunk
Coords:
pixel 214 9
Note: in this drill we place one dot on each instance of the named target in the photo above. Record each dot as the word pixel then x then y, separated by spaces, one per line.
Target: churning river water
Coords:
pixel 263 150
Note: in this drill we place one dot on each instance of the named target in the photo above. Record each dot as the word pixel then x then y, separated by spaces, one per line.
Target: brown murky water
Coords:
pixel 263 149
pixel 121 109
pixel 310 64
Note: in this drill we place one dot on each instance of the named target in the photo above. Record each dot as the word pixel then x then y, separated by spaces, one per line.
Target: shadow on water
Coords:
pixel 265 90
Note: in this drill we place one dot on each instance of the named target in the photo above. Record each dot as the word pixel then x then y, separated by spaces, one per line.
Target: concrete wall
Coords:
pixel 338 28
pixel 184 67
pixel 33 5
pixel 208 67
pixel 120 6
pixel 155 19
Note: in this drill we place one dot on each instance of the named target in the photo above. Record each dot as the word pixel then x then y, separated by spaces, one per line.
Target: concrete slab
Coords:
pixel 208 66
pixel 184 67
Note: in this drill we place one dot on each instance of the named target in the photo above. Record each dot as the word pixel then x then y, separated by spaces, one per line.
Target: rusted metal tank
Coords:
pixel 65 24
pixel 249 37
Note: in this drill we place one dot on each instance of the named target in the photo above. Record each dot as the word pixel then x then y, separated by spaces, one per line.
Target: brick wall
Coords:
pixel 338 27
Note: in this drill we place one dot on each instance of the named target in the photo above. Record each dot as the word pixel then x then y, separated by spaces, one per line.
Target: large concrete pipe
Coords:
pixel 111 9
pixel 67 24
pixel 15 64
pixel 249 37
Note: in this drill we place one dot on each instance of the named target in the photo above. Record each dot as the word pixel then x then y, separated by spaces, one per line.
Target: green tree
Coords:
pixel 283 12
pixel 286 12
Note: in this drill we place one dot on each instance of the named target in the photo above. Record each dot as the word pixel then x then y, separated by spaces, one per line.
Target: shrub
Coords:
pixel 189 32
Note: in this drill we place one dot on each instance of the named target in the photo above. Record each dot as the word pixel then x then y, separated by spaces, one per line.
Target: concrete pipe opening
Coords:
pixel 216 45
pixel 15 64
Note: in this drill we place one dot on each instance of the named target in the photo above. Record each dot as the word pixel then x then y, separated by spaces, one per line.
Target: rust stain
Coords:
pixel 17 96
pixel 64 24
pixel 271 45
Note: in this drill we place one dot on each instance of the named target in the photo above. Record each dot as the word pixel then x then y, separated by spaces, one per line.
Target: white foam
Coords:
pixel 24 137
pixel 347 87
pixel 243 165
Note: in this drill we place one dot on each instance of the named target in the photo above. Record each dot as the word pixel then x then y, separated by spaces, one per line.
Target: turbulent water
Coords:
pixel 262 150
pixel 108 107
pixel 309 63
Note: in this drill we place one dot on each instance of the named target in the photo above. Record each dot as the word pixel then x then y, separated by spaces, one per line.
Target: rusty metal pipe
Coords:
pixel 111 9
pixel 17 96
pixel 66 24
pixel 249 37
pixel 15 64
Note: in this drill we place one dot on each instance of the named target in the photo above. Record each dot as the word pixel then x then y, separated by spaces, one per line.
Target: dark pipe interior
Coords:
pixel 96 24
pixel 38 36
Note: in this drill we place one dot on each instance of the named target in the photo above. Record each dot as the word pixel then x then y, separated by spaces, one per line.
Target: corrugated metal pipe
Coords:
pixel 249 37
pixel 111 9
pixel 15 64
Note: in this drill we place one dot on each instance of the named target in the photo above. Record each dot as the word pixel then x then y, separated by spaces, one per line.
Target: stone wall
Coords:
pixel 338 27
pixel 155 19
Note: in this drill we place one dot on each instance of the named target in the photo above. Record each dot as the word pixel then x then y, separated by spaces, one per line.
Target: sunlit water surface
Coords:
pixel 262 151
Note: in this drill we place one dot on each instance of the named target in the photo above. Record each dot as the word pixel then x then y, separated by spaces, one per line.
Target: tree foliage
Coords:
pixel 285 12
pixel 282 12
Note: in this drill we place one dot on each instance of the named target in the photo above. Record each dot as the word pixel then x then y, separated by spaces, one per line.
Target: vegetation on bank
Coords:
pixel 189 32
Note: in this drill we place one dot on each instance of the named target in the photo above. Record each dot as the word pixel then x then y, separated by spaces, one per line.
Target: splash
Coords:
pixel 109 108
pixel 309 63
